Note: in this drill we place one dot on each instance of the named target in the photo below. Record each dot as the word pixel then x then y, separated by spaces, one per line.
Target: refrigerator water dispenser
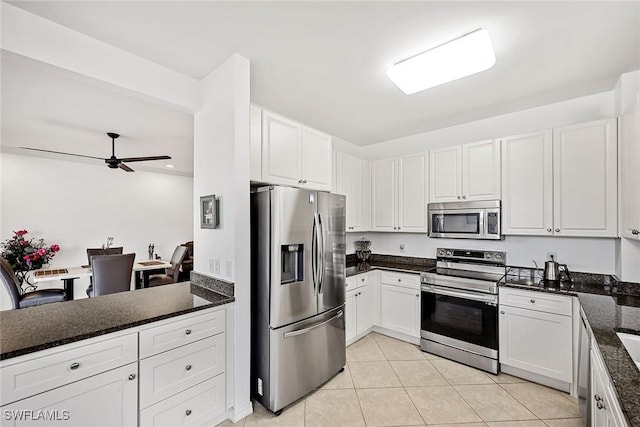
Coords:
pixel 292 257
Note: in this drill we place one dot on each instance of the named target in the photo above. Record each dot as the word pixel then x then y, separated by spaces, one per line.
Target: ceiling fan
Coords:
pixel 112 162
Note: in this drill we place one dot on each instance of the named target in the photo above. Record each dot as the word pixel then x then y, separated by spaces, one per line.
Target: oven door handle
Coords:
pixel 489 299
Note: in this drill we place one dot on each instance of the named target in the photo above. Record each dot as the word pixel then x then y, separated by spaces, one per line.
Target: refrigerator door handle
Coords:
pixel 314 253
pixel 322 254
pixel 310 328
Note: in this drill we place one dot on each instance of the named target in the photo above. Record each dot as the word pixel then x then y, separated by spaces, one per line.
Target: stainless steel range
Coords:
pixel 459 307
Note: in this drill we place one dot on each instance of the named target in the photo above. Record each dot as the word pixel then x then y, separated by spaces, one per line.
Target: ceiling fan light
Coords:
pixel 458 58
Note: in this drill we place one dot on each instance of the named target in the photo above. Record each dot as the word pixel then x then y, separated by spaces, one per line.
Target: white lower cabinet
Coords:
pixel 400 303
pixel 605 409
pixel 361 305
pixel 535 333
pixel 108 399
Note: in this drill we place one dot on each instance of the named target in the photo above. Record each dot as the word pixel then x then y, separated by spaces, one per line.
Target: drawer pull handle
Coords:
pixel 188 412
pixel 533 301
pixel 635 232
pixel 188 331
pixel 74 366
pixel 188 367
pixel 132 377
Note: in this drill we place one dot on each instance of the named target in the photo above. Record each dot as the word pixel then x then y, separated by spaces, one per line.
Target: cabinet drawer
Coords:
pixel 539 301
pixel 354 282
pixel 350 283
pixel 168 373
pixel 192 407
pixel 175 334
pixel 411 281
pixel 68 364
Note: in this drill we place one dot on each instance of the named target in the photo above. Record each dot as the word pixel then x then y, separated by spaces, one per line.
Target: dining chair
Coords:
pixel 28 299
pixel 111 273
pixel 91 252
pixel 171 274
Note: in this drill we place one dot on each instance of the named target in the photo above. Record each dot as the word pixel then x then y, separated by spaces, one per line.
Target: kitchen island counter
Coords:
pixel 38 328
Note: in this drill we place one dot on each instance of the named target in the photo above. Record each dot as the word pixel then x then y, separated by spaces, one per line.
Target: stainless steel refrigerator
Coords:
pixel 298 272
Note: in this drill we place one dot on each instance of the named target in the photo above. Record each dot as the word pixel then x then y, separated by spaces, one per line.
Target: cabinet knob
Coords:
pixel 458 197
pixel 399 280
pixel 188 331
pixel 362 280
pixel 132 377
pixel 187 412
pixel 597 398
pixel 417 295
pixel 304 181
pixel 533 301
pixel 398 228
pixel 502 312
pixel 635 232
pixel 464 197
pixel 557 230
pixel 74 366
pixel 549 230
pixel 188 367
pixel 600 405
pixel 299 181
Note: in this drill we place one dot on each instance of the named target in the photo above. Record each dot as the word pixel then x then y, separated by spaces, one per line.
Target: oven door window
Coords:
pixel 463 319
pixel 458 223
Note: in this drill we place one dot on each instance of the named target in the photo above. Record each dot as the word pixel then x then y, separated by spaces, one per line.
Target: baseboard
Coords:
pixel 235 414
pixel 397 335
pixel 359 336
pixel 536 378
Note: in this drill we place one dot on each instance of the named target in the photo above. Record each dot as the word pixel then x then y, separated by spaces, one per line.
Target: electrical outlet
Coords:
pixel 552 256
pixel 216 266
pixel 229 268
pixel 401 248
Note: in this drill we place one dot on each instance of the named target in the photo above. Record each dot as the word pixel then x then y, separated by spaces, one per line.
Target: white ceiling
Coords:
pixel 324 63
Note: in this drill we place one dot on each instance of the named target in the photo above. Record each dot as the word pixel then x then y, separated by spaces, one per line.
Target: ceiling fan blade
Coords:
pixel 60 152
pixel 143 159
pixel 125 168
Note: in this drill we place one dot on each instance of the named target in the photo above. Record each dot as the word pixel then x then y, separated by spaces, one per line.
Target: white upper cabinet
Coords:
pixel 465 172
pixel 412 193
pixel 527 184
pixel 291 154
pixel 349 179
pixel 481 170
pixel 445 169
pixel 399 194
pixel 384 195
pixel 585 179
pixel 630 164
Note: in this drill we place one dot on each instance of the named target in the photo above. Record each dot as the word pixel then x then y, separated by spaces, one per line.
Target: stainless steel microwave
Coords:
pixel 465 220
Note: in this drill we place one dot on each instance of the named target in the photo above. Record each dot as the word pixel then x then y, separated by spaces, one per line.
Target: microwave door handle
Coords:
pixel 483 224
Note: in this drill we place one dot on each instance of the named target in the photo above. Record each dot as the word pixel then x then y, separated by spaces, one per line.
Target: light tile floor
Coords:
pixel 388 382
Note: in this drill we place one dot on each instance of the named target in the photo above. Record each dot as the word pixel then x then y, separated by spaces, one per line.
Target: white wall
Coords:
pixel 580 254
pixel 221 167
pixel 77 205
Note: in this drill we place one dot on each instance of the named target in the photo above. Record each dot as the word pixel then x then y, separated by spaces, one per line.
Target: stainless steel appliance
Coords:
pixel 459 307
pixel 553 272
pixel 298 292
pixel 465 220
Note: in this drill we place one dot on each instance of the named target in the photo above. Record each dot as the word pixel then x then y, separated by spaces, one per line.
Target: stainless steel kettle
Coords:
pixel 553 271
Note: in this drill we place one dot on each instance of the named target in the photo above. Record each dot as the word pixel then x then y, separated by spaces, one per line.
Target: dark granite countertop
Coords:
pixel 37 328
pixel 389 262
pixel 608 314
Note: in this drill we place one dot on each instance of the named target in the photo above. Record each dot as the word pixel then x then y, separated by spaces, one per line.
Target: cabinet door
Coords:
pixel 355 191
pixel 343 183
pixel 527 184
pixel 585 179
pixel 544 349
pixel 109 399
pixel 445 171
pixel 364 312
pixel 384 195
pixel 481 170
pixel 400 309
pixel 412 193
pixel 281 150
pixel 630 164
pixel 350 319
pixel 316 159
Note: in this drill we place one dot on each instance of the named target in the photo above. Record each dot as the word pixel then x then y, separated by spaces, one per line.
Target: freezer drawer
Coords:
pixel 305 355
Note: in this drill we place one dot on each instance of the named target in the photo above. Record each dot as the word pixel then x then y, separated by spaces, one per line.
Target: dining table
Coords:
pixel 141 269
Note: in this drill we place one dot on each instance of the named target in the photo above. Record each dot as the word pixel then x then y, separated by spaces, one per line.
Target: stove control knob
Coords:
pixel 498 256
pixel 441 252
pixel 489 256
pixel 449 253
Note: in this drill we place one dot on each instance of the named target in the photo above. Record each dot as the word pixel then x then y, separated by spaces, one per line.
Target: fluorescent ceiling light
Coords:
pixel 452 60
pixel 169 166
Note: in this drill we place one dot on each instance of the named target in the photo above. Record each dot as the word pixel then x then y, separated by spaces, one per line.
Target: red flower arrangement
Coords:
pixel 26 255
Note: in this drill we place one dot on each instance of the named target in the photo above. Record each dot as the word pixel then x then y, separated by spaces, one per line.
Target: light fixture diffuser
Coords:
pixel 461 57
